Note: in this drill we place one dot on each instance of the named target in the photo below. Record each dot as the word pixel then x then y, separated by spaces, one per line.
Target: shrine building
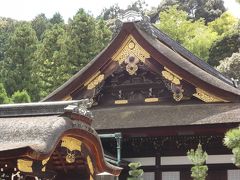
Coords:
pixel 160 98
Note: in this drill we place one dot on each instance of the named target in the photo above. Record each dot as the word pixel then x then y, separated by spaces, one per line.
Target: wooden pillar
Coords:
pixel 158 173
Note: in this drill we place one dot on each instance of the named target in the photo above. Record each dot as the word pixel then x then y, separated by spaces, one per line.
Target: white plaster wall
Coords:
pixel 147 161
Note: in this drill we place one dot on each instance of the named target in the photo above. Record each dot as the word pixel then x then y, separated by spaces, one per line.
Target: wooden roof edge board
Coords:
pixel 223 88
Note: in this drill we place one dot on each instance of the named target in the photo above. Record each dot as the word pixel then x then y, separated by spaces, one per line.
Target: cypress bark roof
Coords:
pixel 167 52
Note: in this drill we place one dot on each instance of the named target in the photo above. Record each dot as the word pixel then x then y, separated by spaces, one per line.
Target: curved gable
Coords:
pixel 188 78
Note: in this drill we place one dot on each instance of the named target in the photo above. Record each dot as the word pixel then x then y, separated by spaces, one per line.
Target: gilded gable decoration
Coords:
pixel 130 48
pixel 131 66
pixel 169 75
pixel 95 81
pixel 72 145
pixel 25 165
pixel 207 97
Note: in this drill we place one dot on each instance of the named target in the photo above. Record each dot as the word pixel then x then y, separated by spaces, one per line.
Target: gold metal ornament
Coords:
pixel 91 178
pixel 150 100
pixel 90 165
pixel 72 144
pixel 44 162
pixel 70 158
pixel 123 101
pixel 207 97
pixel 178 96
pixel 130 47
pixel 131 69
pixel 24 165
pixel 95 82
pixel 169 75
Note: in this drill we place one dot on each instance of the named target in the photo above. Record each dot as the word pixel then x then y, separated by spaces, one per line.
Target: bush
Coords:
pixel 21 97
pixel 134 172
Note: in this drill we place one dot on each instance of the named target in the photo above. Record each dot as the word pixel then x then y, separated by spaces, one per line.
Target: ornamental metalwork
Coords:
pixel 169 75
pixel 207 97
pixel 72 144
pixel 177 92
pixel 44 162
pixel 151 100
pixel 129 48
pixel 90 167
pixel 131 65
pixel 131 16
pixel 121 101
pixel 81 108
pixel 25 165
pixel 96 81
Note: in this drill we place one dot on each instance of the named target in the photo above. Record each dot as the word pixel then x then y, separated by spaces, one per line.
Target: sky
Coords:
pixel 28 9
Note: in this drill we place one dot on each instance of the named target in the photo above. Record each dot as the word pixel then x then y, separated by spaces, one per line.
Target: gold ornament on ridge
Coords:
pixel 130 47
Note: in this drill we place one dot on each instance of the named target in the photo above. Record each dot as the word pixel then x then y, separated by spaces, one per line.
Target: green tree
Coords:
pixel 103 34
pixel 57 19
pixel 83 41
pixel 51 58
pixel 224 47
pixel 224 24
pixel 232 141
pixel 231 66
pixel 21 97
pixel 4 99
pixel 18 65
pixel 112 12
pixel 209 10
pixel 194 35
pixel 40 23
pixel 198 157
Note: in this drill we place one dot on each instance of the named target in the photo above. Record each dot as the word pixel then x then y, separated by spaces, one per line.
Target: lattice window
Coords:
pixel 233 174
pixel 148 176
pixel 171 175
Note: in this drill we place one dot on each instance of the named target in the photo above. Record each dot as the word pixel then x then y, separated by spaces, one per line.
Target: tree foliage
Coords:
pixel 198 157
pixel 40 23
pixel 209 10
pixel 18 64
pixel 224 24
pixel 194 35
pixel 4 99
pixel 224 47
pixel 51 60
pixel 21 97
pixel 84 41
pixel 232 141
pixel 56 19
pixel 231 66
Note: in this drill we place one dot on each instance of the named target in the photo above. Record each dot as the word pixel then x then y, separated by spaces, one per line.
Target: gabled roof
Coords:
pixel 37 137
pixel 165 51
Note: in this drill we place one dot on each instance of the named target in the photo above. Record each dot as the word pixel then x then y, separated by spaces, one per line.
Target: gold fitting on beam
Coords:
pixel 150 100
pixel 121 102
pixel 25 165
